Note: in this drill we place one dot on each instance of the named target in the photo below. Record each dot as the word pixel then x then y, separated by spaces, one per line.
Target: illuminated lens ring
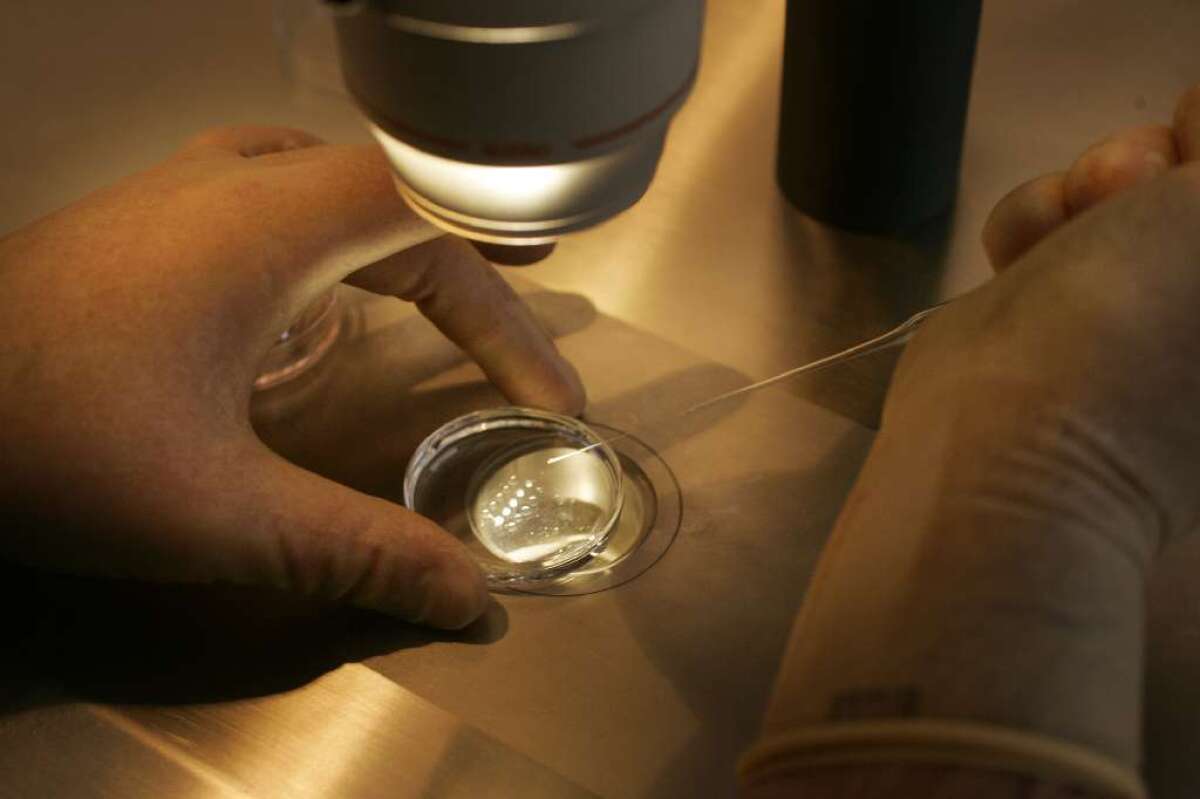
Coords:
pixel 519 233
pixel 526 204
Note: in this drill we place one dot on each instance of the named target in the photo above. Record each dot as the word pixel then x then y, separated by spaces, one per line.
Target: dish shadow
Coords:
pixel 643 414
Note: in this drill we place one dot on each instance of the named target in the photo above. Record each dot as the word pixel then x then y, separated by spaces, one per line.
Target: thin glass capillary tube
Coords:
pixel 898 335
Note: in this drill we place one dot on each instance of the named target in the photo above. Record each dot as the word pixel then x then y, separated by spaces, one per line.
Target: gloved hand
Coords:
pixel 1039 444
pixel 134 323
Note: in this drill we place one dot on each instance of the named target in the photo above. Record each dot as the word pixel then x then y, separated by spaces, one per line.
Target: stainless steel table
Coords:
pixel 646 690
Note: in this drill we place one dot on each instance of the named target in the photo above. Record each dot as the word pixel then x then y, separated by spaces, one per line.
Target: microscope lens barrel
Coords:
pixel 515 122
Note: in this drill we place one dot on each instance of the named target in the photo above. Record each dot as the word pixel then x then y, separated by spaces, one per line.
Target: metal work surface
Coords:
pixel 349 732
pixel 712 280
pixel 653 687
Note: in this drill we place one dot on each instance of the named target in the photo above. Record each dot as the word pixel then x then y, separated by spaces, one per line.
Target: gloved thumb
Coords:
pixel 279 525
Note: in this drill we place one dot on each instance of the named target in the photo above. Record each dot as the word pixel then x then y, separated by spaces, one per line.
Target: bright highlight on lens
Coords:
pixel 521 204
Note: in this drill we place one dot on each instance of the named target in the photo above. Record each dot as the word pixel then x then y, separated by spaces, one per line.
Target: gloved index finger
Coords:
pixel 342 219
pixel 467 299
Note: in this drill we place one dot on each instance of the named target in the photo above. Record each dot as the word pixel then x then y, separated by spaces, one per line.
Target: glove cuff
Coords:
pixel 939 742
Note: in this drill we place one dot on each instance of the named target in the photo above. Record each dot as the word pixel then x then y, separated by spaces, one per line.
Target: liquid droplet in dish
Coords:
pixel 529 510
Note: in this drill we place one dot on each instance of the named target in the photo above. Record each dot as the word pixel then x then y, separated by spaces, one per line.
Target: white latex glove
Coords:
pixel 1040 443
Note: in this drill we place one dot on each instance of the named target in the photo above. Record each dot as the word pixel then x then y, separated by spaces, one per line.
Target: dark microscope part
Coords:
pixel 514 254
pixel 873 108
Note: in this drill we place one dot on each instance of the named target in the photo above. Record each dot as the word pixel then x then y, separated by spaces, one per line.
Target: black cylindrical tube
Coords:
pixel 873 107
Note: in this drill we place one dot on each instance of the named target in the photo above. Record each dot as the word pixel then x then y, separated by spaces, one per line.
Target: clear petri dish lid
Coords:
pixel 498 481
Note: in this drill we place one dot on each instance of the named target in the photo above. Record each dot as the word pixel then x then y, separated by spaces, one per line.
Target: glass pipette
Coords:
pixel 892 338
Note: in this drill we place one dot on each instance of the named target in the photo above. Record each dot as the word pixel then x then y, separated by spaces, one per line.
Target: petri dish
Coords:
pixel 651 517
pixel 532 494
pixel 305 342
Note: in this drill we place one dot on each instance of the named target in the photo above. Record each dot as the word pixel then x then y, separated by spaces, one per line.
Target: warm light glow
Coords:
pixel 515 192
pixel 523 204
pixel 479 35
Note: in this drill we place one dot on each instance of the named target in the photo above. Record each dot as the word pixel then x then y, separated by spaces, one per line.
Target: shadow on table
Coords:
pixel 134 643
